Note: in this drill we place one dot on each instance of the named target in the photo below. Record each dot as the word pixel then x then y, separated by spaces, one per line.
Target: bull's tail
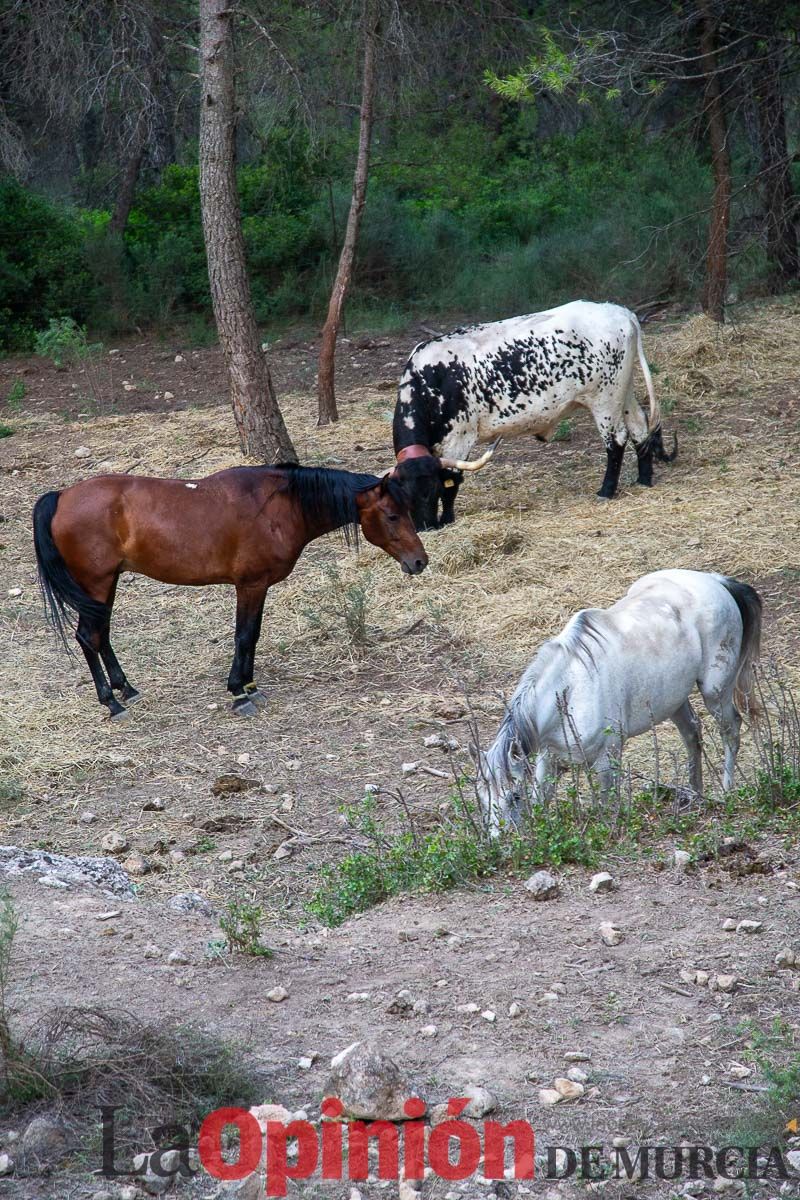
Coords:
pixel 60 591
pixel 749 604
pixel 655 407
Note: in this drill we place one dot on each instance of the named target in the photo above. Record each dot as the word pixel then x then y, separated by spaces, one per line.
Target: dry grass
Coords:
pixel 532 544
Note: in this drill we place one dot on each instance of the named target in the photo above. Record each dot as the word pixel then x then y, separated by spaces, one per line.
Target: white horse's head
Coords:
pixel 503 781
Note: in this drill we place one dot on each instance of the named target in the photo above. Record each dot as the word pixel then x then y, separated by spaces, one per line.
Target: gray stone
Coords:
pixel 115 843
pixel 370 1084
pixel 542 886
pixel 481 1101
pixel 44 1143
pixel 191 902
pixel 81 871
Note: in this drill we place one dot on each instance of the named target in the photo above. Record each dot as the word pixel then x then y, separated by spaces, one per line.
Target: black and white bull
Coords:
pixel 522 375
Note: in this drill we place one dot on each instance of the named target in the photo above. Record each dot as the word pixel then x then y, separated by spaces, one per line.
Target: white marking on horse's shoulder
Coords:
pixel 191 485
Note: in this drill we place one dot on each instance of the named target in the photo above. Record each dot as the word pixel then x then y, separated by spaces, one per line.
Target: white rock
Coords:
pixel 339 1058
pixel 169 395
pixel 514 1009
pixel 702 978
pixel 270 1112
pixel 277 994
pixel 549 998
pixel 408 768
pixel 729 925
pixel 468 1010
pixel 428 1031
pixel 306 1062
pixel 357 997
pixel 88 818
pixel 225 856
pixel 107 916
pixel 115 843
pixel 739 1071
pixel 177 958
pixel 481 1101
pixel 577 1075
pixel 577 1056
pixel 542 886
pixel 785 958
pixel 681 859
pixel 489 1016
pixel 568 1089
pixel 236 865
pixel 152 951
pixel 601 882
pixel 6 1164
pixel 179 358
pixel 610 934
pixel 14 592
pixel 83 452
pixel 793 1159
pixel 549 1096
pixel 749 926
pixel 51 882
pixel 724 983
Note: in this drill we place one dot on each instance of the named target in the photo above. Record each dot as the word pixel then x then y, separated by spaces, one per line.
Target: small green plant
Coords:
pixel 6 431
pixel 16 394
pixel 204 845
pixel 342 606
pixel 564 431
pixel 11 790
pixel 65 342
pixel 241 924
pixel 458 852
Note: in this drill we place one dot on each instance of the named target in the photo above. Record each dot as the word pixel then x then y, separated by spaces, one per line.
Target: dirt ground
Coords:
pixel 531 545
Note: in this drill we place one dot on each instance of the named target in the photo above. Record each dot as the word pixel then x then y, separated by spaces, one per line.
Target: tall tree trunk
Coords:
pixel 716 281
pixel 326 392
pixel 262 431
pixel 776 179
pixel 127 187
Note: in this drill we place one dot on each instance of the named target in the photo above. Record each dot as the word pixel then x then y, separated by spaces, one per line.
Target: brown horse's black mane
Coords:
pixel 325 494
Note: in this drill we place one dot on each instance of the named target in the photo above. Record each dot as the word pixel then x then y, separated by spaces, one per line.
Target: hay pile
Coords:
pixel 756 348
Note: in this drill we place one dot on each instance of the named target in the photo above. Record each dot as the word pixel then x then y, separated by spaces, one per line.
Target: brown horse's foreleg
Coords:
pixel 116 675
pixel 249 611
pixel 90 636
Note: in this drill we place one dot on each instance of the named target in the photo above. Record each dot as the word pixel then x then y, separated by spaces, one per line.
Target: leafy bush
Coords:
pixel 42 270
pixel 241 924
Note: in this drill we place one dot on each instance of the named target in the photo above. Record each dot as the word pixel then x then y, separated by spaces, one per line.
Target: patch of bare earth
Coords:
pixel 532 544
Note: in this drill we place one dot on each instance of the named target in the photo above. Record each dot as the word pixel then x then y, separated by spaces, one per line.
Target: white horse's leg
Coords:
pixel 726 714
pixel 688 725
pixel 543 781
pixel 606 768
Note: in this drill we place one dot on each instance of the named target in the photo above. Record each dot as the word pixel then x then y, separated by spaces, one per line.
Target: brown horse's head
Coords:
pixel 386 522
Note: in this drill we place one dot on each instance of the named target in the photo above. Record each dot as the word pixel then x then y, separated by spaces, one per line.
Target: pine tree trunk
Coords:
pixel 716 281
pixel 326 392
pixel 127 189
pixel 262 432
pixel 776 179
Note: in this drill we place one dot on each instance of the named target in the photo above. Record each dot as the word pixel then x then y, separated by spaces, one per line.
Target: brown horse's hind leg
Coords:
pixel 116 675
pixel 89 636
pixel 249 610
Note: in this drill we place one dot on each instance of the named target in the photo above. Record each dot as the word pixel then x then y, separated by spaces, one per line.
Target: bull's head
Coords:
pixel 429 481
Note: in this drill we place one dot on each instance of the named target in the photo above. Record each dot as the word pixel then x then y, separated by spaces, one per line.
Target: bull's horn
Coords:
pixel 458 464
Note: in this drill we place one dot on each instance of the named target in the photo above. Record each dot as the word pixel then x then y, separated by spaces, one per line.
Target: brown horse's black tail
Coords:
pixel 60 591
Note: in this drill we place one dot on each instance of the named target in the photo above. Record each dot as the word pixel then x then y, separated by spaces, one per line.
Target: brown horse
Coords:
pixel 246 526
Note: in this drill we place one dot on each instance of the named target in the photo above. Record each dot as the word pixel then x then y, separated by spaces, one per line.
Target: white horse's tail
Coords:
pixel 749 604
pixel 655 408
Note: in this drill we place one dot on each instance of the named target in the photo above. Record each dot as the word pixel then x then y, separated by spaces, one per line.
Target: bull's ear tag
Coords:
pixel 449 483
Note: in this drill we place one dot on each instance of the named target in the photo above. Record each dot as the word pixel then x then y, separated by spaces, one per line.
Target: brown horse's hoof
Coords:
pixel 244 708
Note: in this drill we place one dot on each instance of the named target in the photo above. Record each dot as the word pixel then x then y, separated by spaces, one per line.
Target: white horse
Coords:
pixel 613 673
